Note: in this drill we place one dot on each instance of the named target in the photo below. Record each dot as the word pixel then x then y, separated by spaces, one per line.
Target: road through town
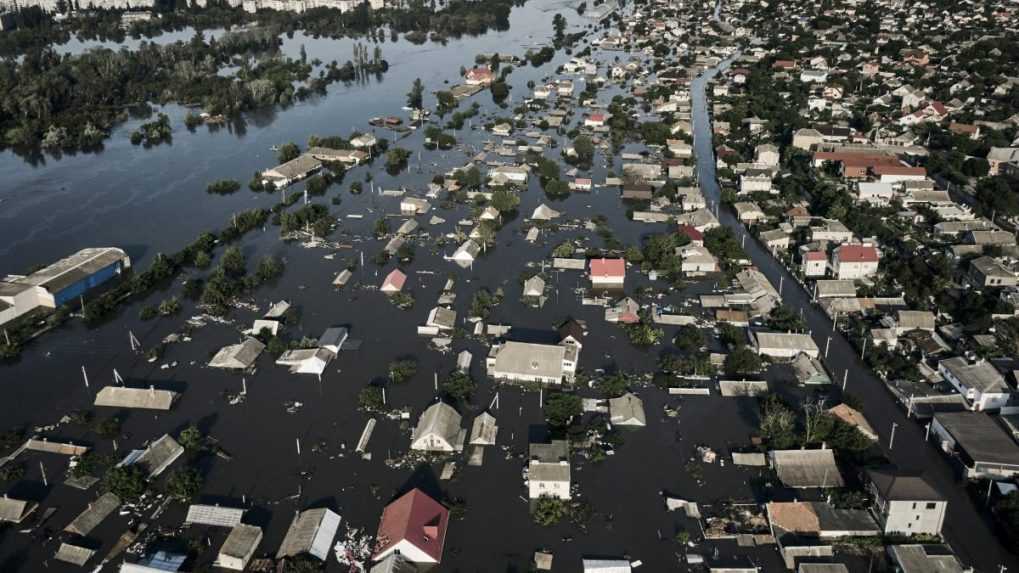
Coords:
pixel 968 530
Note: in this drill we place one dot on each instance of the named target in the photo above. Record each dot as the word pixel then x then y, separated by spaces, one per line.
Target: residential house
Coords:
pixel 607 273
pixel 466 253
pixel 15 510
pixel 980 383
pixel 479 76
pixel 784 344
pixel 989 272
pixel 749 212
pixel 531 362
pixel 292 171
pixel 239 547
pixel 906 504
pixel 393 282
pixel 548 470
pixel 925 559
pixel 814 264
pixel 310 533
pixel 767 154
pixel 696 260
pixel 854 262
pixel 830 230
pixel 627 410
pixel 238 356
pixel 626 311
pixel 983 447
pixel 998 157
pixel 413 527
pixel 438 430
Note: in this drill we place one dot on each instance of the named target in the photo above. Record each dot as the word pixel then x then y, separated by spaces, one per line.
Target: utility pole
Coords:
pixel 845 378
pixel 864 349
pixel 891 439
pixel 927 436
pixel 826 347
pixel 84 375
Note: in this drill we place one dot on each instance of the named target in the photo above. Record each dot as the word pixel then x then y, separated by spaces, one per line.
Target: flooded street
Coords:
pixel 154 200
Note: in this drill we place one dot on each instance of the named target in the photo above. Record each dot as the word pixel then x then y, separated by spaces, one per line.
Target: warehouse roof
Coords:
pixel 69 270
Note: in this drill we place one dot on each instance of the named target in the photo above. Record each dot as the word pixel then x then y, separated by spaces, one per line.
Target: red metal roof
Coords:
pixel 815 256
pixel 856 254
pixel 395 278
pixel 417 519
pixel 608 268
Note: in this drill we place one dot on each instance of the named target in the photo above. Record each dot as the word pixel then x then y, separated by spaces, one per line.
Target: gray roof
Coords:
pixel 73 554
pixel 627 410
pixel 990 267
pixel 982 375
pixel 806 468
pixel 835 288
pixel 552 452
pixel 442 420
pixel 94 514
pixel 159 455
pixel 214 515
pixel 72 269
pixel 822 568
pixel 893 486
pixel 540 471
pixel 238 356
pixel 925 559
pixel 786 341
pixel 917 319
pixel 15 510
pixel 528 359
pixel 394 563
pixel 307 532
pixel 241 541
pixel 980 437
pixel 297 167
pixel 484 430
pixel 147 399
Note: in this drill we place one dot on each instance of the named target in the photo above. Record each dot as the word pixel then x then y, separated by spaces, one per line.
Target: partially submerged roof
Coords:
pixel 242 541
pixel 627 410
pixel 141 398
pixel 983 440
pixel 484 430
pixel 15 510
pixel 925 559
pixel 414 518
pixel 214 515
pixel 238 356
pixel 94 514
pixel 606 566
pixel 73 554
pixel 820 518
pixel 158 456
pixel 806 468
pixel 312 531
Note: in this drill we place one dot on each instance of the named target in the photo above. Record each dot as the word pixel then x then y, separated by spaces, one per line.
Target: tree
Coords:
pixel 584 148
pixel 169 306
pixel 500 91
pixel 126 482
pixel 415 97
pixel 370 399
pixel 191 438
pixel 505 200
pixel 223 187
pixel 269 268
pixel 184 485
pixel 233 263
pixel 402 370
pixel 784 319
pixel 613 386
pixel 689 338
pixel 778 424
pixel 108 428
pixel 549 511
pixel 741 361
pixel 458 385
pixel 203 260
pixel 288 152
pixel 560 408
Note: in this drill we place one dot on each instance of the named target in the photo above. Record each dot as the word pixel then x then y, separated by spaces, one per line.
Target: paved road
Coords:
pixel 970 534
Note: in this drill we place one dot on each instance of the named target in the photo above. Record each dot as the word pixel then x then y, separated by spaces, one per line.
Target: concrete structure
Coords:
pixel 906 504
pixel 438 430
pixel 980 383
pixel 531 362
pixel 61 282
pixel 413 527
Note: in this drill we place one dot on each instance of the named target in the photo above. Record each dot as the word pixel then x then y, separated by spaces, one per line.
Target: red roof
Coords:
pixel 815 256
pixel 690 232
pixel 608 268
pixel 395 279
pixel 597 117
pixel 856 254
pixel 416 519
pixel 898 170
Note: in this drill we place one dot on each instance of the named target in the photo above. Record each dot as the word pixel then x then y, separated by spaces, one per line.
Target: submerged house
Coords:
pixel 627 410
pixel 438 430
pixel 239 547
pixel 548 471
pixel 158 456
pixel 531 362
pixel 311 532
pixel 238 356
pixel 15 510
pixel 412 527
